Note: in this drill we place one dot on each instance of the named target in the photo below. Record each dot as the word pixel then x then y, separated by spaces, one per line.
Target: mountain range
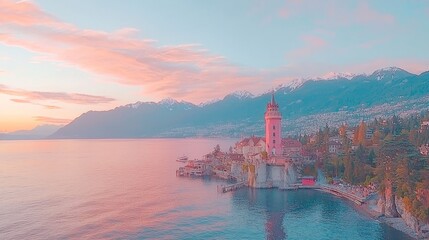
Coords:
pixel 36 133
pixel 306 105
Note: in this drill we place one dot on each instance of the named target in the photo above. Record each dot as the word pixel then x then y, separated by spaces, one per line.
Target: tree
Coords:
pixel 371 158
pixel 396 125
pixel 362 133
pixel 343 130
pixel 400 166
pixel 216 149
pixel 264 155
pixel 360 153
pixel 376 137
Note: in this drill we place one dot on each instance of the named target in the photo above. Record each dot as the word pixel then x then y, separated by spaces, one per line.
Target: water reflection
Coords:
pixel 271 203
pixel 308 214
pixel 274 226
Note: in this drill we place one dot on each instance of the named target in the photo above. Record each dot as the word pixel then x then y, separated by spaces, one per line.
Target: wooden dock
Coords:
pixel 230 187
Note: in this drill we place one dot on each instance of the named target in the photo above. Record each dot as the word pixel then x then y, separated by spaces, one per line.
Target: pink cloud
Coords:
pixel 22 13
pixel 35 96
pixel 373 43
pixel 284 13
pixel 123 58
pixel 52 120
pixel 333 13
pixel 312 44
pixel 291 8
pixel 365 14
pixel 52 107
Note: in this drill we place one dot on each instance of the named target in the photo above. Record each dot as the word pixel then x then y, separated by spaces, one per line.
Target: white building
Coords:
pixel 334 147
pixel 250 146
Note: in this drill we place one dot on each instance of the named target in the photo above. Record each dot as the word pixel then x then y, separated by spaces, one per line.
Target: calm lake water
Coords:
pixel 127 189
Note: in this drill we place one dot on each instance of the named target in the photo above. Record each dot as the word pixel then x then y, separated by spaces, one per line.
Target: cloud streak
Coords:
pixel 51 107
pixel 51 120
pixel 34 97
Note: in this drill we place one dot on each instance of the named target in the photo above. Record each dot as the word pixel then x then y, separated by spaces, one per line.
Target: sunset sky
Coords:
pixel 59 59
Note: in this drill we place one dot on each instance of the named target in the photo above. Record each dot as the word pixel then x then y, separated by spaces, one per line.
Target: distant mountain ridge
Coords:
pixel 242 113
pixel 38 132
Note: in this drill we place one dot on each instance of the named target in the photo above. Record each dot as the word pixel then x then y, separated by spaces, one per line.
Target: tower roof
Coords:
pixel 273 101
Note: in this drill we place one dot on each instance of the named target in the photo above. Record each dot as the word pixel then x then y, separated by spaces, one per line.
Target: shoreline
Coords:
pixel 367 210
pixel 396 223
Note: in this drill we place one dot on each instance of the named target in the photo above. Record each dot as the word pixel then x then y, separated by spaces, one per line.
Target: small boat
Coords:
pixel 182 159
pixel 180 172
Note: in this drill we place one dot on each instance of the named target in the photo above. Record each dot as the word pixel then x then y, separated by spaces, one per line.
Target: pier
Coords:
pixel 230 187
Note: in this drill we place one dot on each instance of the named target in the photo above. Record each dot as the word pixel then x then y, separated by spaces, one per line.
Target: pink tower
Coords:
pixel 273 128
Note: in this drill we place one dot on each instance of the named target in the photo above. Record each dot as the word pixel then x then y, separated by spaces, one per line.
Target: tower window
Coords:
pixel 274 127
pixel 274 134
pixel 274 141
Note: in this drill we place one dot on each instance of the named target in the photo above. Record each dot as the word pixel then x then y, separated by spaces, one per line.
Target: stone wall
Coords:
pixel 268 176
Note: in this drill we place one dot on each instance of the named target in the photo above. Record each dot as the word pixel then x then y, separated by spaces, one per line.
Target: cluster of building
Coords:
pixel 261 162
pixel 273 161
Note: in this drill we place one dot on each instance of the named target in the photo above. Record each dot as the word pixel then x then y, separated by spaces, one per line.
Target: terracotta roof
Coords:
pixel 246 141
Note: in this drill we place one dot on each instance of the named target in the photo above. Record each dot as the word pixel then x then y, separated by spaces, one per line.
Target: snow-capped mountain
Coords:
pixel 215 100
pixel 168 101
pixel 242 94
pixel 390 73
pixel 236 113
pixel 335 75
pixel 134 105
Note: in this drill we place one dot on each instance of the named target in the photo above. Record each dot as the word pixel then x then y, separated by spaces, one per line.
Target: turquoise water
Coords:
pixel 127 189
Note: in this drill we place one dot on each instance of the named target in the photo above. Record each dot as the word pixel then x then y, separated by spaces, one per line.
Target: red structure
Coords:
pixel 308 181
pixel 273 128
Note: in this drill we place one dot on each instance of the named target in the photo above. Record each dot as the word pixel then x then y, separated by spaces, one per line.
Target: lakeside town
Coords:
pixel 349 161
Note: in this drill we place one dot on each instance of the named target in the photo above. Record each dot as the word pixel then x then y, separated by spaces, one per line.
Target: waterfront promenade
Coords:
pixel 340 191
pixel 336 190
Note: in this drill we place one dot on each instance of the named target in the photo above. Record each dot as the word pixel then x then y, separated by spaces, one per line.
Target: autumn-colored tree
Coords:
pixel 401 167
pixel 356 136
pixel 264 155
pixel 343 130
pixel 362 133
pixel 376 137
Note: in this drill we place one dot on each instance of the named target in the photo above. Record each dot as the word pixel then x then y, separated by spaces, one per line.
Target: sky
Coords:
pixel 59 59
